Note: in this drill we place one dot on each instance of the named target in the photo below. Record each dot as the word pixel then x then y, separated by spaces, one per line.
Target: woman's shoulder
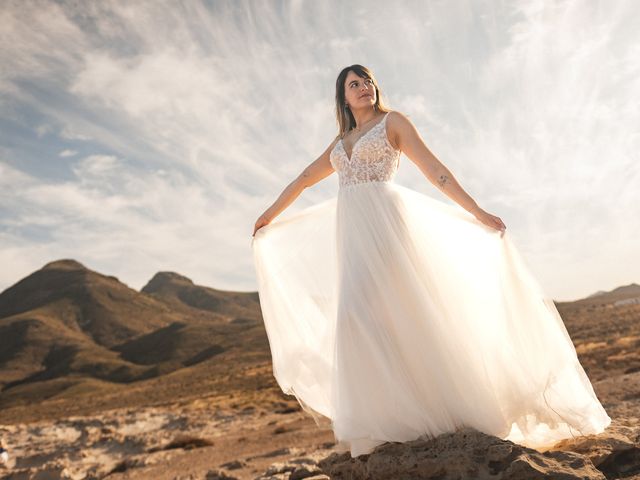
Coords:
pixel 395 115
pixel 398 120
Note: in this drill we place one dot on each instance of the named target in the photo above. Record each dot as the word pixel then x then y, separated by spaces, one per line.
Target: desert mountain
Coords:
pixel 605 328
pixel 174 289
pixel 601 297
pixel 67 329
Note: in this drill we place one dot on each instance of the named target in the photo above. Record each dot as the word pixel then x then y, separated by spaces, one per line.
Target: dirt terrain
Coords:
pixel 174 381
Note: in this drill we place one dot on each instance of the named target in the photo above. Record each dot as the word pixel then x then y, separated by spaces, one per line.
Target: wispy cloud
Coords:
pixel 67 153
pixel 153 134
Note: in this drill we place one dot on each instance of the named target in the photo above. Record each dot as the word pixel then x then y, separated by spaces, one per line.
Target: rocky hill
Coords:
pixel 70 335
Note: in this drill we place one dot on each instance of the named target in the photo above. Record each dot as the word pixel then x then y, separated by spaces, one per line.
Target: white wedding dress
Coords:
pixel 391 315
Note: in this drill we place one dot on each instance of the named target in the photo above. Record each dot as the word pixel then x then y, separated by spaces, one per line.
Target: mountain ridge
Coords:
pixel 65 324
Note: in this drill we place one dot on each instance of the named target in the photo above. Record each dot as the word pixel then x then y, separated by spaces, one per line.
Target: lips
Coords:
pixel 365 95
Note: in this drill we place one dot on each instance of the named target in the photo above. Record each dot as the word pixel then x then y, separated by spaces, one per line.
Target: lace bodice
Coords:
pixel 373 158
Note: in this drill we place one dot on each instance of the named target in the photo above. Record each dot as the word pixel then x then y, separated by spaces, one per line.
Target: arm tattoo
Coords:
pixel 443 180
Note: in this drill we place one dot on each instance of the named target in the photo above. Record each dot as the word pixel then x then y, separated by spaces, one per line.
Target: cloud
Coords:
pixel 68 133
pixel 151 137
pixel 67 153
pixel 43 130
pixel 98 167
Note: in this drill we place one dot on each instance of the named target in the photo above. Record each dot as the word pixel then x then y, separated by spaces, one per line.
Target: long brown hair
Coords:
pixel 345 118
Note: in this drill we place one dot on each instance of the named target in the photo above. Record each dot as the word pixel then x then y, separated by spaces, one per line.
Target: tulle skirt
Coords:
pixel 391 315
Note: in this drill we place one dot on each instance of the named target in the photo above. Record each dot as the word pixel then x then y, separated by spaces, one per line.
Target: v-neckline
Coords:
pixel 353 149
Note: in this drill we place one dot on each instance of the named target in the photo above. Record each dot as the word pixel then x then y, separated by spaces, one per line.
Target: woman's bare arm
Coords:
pixel 408 140
pixel 317 170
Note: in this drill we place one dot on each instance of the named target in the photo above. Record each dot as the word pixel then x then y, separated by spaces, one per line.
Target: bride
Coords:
pixel 391 315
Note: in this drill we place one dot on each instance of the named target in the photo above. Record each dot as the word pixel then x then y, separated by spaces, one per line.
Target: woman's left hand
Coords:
pixel 491 221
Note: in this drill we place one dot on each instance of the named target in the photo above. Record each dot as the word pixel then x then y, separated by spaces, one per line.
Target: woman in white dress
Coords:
pixel 391 315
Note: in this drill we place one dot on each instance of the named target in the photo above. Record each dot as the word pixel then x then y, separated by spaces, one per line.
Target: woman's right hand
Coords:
pixel 261 222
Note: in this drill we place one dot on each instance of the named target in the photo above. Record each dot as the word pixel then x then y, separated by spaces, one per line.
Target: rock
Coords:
pixel 276 453
pixel 293 469
pixel 615 452
pixel 218 475
pixel 305 471
pixel 466 453
pixel 302 460
pixel 234 465
pixel 279 467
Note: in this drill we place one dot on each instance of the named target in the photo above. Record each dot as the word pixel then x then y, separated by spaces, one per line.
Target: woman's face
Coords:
pixel 359 92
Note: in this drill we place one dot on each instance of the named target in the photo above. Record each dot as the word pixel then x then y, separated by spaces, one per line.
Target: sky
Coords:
pixel 138 137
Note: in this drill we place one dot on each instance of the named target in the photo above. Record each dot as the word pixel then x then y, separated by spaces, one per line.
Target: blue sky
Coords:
pixel 145 136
